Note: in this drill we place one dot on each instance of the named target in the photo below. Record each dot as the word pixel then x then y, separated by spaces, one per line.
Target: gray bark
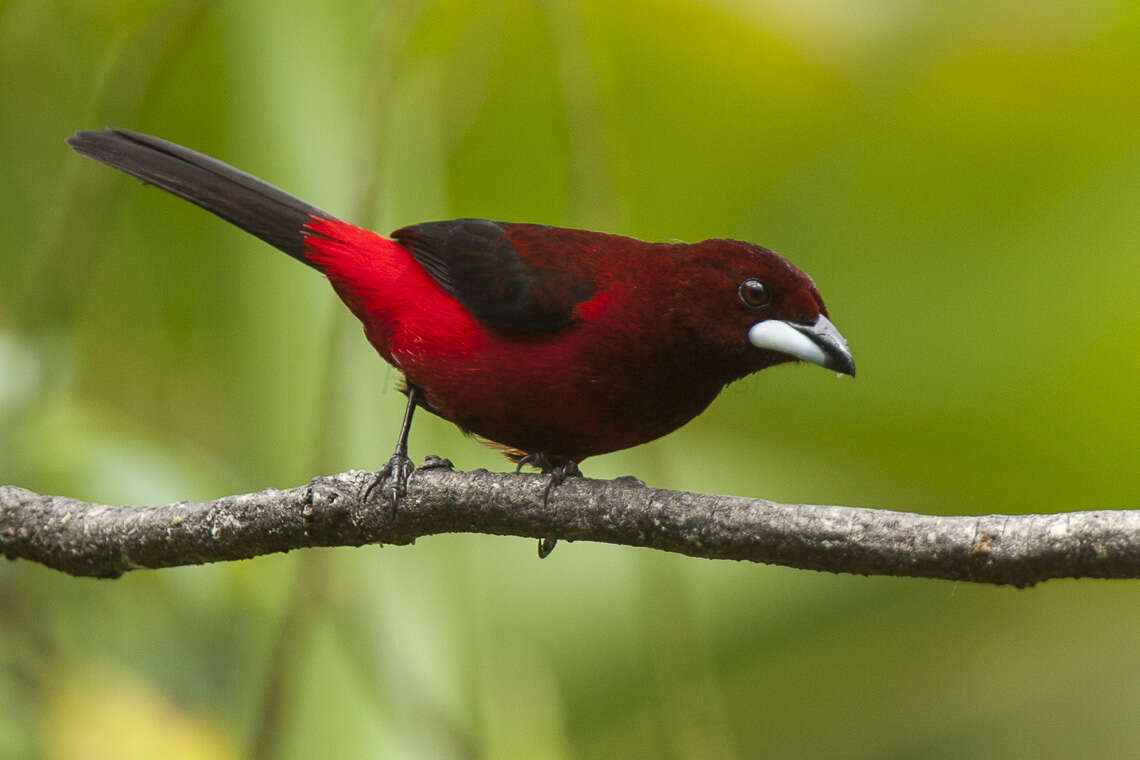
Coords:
pixel 86 539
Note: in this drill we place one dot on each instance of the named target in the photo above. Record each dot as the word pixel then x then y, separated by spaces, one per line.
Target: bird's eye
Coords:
pixel 754 293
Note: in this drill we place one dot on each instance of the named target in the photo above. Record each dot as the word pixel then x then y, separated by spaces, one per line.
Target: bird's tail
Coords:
pixel 241 199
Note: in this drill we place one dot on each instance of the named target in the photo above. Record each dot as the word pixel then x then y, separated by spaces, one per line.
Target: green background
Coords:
pixel 961 179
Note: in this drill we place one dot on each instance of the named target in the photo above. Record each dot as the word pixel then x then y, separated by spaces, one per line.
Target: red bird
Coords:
pixel 554 344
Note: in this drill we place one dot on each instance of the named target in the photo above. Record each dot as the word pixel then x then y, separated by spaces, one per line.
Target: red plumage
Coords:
pixel 548 341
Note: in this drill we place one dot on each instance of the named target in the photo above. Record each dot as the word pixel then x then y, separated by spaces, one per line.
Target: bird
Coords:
pixel 551 344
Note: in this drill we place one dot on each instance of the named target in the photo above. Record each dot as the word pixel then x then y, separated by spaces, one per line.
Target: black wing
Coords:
pixel 531 284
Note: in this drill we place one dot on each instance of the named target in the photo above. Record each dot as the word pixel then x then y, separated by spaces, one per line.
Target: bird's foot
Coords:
pixel 396 471
pixel 546 546
pixel 432 462
pixel 539 461
pixel 558 474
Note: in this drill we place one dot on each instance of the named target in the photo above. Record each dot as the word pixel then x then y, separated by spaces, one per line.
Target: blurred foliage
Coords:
pixel 961 179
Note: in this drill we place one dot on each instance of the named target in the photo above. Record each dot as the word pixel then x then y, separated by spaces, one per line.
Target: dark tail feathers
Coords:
pixel 257 207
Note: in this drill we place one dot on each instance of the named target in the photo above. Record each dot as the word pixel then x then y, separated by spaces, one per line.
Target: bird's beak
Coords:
pixel 819 343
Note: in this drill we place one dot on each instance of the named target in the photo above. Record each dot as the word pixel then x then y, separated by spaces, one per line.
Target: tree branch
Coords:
pixel 339 510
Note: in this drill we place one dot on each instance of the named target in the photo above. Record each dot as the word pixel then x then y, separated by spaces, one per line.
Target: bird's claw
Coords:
pixel 546 546
pixel 432 462
pixel 397 471
pixel 400 469
pixel 558 475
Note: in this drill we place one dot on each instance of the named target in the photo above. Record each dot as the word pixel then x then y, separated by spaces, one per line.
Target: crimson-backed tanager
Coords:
pixel 554 344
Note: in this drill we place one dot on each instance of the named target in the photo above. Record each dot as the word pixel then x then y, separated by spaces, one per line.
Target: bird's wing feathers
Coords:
pixel 499 274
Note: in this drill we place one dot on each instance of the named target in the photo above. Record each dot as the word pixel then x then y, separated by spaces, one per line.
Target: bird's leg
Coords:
pixel 558 474
pixel 399 468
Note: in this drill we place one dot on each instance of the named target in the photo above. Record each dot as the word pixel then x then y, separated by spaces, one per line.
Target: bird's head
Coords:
pixel 767 310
